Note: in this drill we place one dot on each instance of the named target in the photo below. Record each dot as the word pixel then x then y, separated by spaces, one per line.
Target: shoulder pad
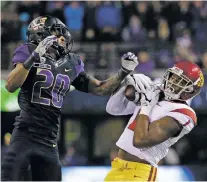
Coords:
pixel 76 60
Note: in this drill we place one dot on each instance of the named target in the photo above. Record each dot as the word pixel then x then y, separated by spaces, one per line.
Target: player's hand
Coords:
pixel 149 100
pixel 140 82
pixel 45 44
pixel 129 62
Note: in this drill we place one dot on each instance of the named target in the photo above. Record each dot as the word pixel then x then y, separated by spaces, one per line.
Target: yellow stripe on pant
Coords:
pixel 130 171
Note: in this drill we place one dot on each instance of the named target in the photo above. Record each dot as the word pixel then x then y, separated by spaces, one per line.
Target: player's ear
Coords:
pixel 129 93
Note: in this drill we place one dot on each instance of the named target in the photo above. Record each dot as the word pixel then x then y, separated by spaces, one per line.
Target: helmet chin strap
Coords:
pixel 169 95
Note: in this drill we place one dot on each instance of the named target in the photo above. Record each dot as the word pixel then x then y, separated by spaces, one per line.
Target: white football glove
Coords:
pixel 45 44
pixel 129 62
pixel 149 100
pixel 140 82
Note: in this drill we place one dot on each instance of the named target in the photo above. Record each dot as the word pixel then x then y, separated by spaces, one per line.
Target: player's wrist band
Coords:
pixel 125 70
pixel 29 62
pixel 123 73
pixel 35 54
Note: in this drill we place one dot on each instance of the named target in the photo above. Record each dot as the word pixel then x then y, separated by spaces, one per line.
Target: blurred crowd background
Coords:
pixel 159 32
pixel 162 32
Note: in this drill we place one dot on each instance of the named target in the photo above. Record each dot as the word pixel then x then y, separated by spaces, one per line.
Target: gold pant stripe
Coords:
pixel 151 174
pixel 155 174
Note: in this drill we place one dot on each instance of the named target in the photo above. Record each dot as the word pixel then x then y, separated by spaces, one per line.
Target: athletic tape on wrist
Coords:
pixel 29 62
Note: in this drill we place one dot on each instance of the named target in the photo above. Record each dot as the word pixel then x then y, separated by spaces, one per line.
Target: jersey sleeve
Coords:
pixel 186 117
pixel 118 104
pixel 82 79
pixel 81 82
pixel 21 54
pixel 79 67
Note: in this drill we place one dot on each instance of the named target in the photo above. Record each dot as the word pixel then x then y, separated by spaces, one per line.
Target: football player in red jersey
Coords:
pixel 160 118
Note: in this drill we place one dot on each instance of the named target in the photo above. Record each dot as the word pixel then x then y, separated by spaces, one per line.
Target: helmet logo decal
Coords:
pixel 42 20
pixel 201 80
pixel 37 25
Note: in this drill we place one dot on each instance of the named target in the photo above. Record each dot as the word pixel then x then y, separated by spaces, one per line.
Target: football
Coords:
pixel 130 92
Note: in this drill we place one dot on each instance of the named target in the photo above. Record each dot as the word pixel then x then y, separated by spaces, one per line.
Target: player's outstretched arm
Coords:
pixel 89 84
pixel 106 87
pixel 129 62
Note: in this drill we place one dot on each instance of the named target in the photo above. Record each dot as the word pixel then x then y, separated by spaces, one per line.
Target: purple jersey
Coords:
pixel 21 54
pixel 42 94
